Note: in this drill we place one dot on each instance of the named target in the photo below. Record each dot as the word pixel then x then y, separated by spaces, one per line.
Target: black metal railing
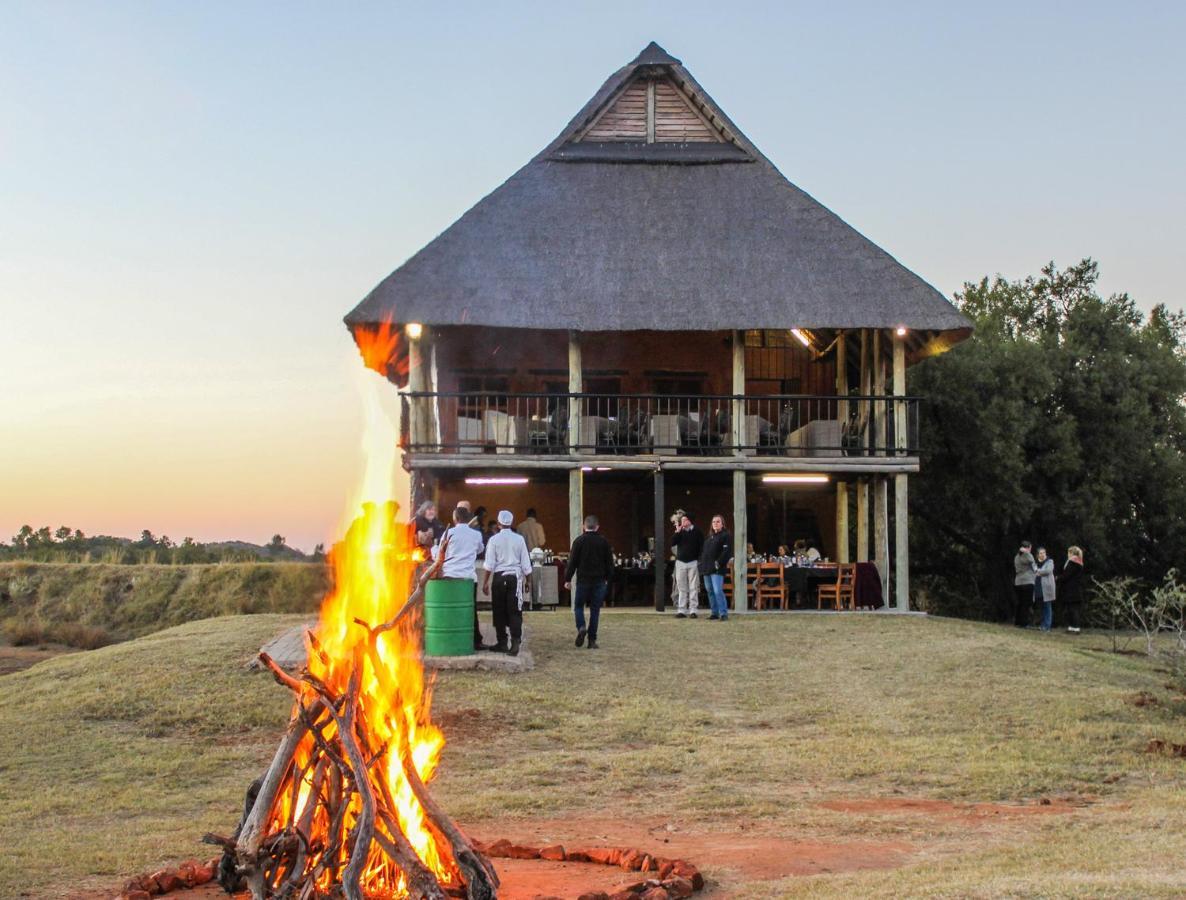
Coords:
pixel 791 425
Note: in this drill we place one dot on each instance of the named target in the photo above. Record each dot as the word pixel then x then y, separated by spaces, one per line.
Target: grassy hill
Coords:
pixel 90 605
pixel 821 730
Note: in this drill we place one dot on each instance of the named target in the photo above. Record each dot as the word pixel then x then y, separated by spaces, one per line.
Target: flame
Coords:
pixel 384 349
pixel 373 566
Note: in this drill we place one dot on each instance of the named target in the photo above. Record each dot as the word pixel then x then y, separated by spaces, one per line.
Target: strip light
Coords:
pixel 497 480
pixel 803 339
pixel 805 478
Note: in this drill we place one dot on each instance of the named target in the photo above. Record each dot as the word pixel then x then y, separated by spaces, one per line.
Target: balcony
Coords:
pixel 785 430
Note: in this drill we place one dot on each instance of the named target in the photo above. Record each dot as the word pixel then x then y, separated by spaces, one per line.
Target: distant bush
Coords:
pixel 24 634
pixel 88 605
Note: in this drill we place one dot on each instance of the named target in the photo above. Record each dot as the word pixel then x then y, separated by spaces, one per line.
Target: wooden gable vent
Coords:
pixel 651 110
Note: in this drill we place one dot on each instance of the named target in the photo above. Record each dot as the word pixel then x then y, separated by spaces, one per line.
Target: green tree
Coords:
pixel 1060 421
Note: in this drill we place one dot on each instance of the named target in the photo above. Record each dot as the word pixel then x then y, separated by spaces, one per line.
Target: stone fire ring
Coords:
pixel 672 879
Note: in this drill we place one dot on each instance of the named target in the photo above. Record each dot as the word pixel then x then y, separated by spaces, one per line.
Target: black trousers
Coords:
pixel 504 597
pixel 1074 615
pixel 1023 604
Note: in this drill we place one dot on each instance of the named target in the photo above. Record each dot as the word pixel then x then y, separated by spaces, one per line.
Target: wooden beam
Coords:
pixel 737 416
pixel 651 111
pixel 881 533
pixel 842 378
pixel 576 504
pixel 740 538
pixel 842 522
pixel 901 546
pixel 899 391
pixel 660 557
pixel 863 520
pixel 575 386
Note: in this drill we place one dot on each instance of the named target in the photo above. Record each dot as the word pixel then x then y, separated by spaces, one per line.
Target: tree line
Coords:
pixel 66 544
pixel 1060 421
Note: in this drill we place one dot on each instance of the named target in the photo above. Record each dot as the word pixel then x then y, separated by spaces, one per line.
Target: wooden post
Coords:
pixel 651 111
pixel 575 386
pixel 863 520
pixel 842 414
pixel 866 388
pixel 881 533
pixel 660 558
pixel 416 383
pixel 842 522
pixel 576 504
pixel 901 505
pixel 842 382
pixel 901 546
pixel 740 537
pixel 737 413
pixel 880 484
pixel 899 391
pixel 740 530
pixel 434 404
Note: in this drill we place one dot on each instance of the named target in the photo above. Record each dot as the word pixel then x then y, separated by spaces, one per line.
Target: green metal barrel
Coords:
pixel 449 617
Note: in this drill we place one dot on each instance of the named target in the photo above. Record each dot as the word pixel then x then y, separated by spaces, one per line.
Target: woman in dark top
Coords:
pixel 714 563
pixel 1070 588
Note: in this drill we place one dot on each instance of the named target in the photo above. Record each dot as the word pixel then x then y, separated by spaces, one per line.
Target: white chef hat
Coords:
pixel 505 518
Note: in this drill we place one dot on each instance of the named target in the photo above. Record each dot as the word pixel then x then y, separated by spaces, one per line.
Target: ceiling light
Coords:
pixel 414 330
pixel 803 338
pixel 508 479
pixel 901 331
pixel 802 478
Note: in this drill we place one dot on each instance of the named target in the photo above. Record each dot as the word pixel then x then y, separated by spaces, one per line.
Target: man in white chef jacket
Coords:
pixel 508 561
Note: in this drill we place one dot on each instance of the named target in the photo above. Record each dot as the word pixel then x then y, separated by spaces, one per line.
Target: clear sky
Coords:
pixel 192 195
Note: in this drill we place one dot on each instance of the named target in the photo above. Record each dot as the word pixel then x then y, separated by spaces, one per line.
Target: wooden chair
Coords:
pixel 770 586
pixel 751 577
pixel 842 594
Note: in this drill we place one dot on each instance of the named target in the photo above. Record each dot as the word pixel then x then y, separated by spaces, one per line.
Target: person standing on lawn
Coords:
pixel 1044 587
pixel 1070 586
pixel 714 563
pixel 461 557
pixel 532 531
pixel 1023 585
pixel 508 561
pixel 586 578
pixel 687 543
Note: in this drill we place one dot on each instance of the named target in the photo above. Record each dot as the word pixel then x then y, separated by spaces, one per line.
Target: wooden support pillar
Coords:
pixel 576 383
pixel 737 413
pixel 842 411
pixel 740 530
pixel 740 538
pixel 901 504
pixel 880 483
pixel 842 522
pixel 863 520
pixel 417 382
pixel 900 443
pixel 660 557
pixel 901 546
pixel 576 504
pixel 881 533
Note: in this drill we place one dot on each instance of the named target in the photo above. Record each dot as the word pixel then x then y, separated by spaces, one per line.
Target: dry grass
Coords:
pixel 114 760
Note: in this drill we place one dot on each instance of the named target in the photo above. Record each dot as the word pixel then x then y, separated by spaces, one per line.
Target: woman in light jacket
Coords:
pixel 1044 587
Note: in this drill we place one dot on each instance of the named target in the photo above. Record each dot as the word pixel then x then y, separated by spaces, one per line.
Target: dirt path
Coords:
pixel 15 659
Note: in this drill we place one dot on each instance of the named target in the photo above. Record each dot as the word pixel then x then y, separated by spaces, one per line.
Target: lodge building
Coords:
pixel 647 316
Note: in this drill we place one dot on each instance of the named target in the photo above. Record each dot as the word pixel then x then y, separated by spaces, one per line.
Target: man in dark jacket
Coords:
pixel 687 543
pixel 586 578
pixel 714 563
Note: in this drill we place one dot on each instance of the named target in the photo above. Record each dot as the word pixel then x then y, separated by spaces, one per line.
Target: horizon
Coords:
pixel 195 197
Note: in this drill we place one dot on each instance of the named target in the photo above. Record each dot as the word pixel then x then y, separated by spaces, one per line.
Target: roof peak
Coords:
pixel 654 55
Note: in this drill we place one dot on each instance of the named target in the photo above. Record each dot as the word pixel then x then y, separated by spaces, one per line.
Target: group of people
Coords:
pixel 700 558
pixel 1037 585
pixel 506 564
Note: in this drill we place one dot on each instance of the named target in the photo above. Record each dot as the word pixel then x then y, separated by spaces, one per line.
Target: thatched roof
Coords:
pixel 615 235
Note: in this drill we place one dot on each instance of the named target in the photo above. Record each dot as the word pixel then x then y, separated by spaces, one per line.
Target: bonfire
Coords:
pixel 343 809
